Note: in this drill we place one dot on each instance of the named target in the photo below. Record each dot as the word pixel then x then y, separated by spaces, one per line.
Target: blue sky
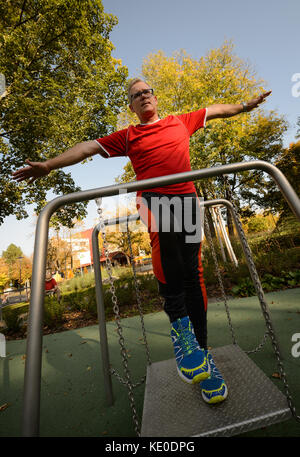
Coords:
pixel 265 33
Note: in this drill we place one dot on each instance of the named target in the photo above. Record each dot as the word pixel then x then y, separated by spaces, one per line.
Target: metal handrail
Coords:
pixel 32 377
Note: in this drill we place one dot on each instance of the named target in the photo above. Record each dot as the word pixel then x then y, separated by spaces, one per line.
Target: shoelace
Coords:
pixel 187 340
pixel 214 370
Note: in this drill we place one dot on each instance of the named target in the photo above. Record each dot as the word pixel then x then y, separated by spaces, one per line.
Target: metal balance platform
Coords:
pixel 175 408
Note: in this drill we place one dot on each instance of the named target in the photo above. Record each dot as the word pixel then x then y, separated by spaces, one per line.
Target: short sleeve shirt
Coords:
pixel 49 285
pixel 157 149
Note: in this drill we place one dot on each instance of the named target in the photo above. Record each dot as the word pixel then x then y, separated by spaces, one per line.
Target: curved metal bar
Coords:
pixel 32 378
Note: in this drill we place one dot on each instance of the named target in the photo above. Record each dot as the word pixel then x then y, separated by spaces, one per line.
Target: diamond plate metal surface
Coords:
pixel 174 408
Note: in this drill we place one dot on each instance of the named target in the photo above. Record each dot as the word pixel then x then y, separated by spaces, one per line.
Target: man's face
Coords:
pixel 145 105
pixel 48 275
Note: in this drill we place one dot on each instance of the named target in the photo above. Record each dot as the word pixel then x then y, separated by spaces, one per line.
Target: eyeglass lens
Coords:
pixel 142 92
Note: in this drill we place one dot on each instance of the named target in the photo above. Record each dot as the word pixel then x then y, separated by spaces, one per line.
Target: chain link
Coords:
pixel 224 298
pixel 127 381
pixel 264 306
pixel 138 297
pixel 217 268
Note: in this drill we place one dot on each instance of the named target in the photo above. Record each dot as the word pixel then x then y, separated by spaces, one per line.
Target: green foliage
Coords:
pixel 78 282
pixel 289 163
pixel 85 299
pixel 53 312
pixel 276 257
pixel 245 287
pixel 11 254
pixel 257 224
pixel 12 319
pixel 63 87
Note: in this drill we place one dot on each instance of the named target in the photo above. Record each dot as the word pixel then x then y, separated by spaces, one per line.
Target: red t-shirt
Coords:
pixel 50 284
pixel 157 149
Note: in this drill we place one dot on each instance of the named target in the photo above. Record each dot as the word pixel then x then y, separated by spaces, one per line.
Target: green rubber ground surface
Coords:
pixel 72 397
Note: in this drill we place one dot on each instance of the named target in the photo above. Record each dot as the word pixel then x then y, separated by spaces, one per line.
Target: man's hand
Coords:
pixel 76 154
pixel 225 110
pixel 32 172
pixel 257 101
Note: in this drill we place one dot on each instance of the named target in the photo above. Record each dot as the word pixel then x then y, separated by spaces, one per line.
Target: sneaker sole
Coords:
pixel 215 399
pixel 196 379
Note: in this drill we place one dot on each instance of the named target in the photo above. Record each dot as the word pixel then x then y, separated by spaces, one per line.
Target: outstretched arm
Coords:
pixel 76 154
pixel 223 111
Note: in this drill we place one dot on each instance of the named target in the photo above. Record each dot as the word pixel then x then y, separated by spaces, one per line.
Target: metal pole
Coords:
pixel 218 230
pixel 226 238
pixel 100 304
pixel 101 318
pixel 32 378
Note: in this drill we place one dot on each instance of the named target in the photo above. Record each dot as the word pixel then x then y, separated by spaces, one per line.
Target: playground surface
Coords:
pixel 73 402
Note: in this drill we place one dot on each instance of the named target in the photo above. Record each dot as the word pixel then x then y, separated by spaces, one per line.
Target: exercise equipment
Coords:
pixel 33 364
pixel 254 401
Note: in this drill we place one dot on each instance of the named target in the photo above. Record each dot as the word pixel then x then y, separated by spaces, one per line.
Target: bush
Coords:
pixel 53 312
pixel 12 319
pixel 77 283
pixel 258 224
pixel 245 288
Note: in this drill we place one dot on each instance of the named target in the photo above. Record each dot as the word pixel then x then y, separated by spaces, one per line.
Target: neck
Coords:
pixel 149 119
pixel 150 122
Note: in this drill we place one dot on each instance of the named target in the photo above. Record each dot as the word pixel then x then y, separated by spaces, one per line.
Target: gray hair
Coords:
pixel 131 83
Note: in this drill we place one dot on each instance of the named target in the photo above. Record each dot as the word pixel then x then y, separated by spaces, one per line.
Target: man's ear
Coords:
pixel 131 108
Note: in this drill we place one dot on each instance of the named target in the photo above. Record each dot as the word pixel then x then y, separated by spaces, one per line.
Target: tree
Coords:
pixel 289 163
pixel 11 254
pixel 21 270
pixel 183 84
pixel 4 275
pixel 59 253
pixel 17 264
pixel 63 87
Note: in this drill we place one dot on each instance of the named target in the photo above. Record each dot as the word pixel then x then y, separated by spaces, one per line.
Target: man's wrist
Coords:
pixel 244 107
pixel 48 167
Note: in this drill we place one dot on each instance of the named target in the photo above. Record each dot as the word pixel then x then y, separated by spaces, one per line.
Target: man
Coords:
pixel 51 287
pixel 159 147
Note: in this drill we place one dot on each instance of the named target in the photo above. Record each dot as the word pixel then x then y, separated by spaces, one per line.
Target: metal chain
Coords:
pixel 224 298
pixel 138 297
pixel 116 310
pixel 217 268
pixel 264 306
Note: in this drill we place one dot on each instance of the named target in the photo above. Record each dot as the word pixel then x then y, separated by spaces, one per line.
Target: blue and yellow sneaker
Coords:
pixel 192 364
pixel 214 389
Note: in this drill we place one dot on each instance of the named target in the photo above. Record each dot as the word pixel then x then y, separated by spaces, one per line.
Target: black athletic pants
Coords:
pixel 174 226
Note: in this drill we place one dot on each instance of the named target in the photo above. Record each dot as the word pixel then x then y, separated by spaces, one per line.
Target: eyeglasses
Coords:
pixel 140 93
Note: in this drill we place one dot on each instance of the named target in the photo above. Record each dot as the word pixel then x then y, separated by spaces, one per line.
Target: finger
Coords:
pixel 20 178
pixel 19 172
pixel 23 172
pixel 266 94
